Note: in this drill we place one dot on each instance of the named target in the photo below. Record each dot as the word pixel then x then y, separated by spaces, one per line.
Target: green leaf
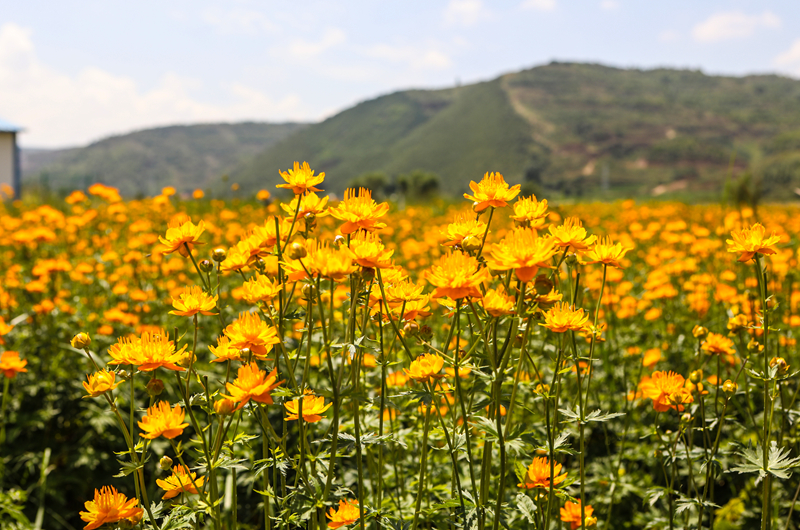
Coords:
pixel 526 507
pixel 778 462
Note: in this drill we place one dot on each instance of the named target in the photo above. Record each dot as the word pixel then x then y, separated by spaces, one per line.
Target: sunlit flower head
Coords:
pixel 260 289
pixel 538 474
pixel 181 481
pixel 359 211
pixel 562 318
pixel 249 331
pixel 182 235
pixel 605 252
pixel 571 234
pixel 108 507
pixel 492 191
pixel 107 193
pixel 718 344
pixel 426 367
pixel 523 251
pixel 347 513
pixel 194 300
pixel 530 212
pixel 161 420
pixel 463 227
pixel 571 513
pixel 752 241
pixel 667 390
pixel 301 179
pixel 313 407
pixel 497 303
pixel 310 204
pixel 252 383
pixel 100 382
pixel 367 250
pixel 457 275
pixel 11 364
pixel 150 351
pixel 237 259
pixel 396 379
pixel 224 351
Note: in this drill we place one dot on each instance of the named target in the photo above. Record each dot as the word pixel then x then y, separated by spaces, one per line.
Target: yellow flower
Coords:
pixel 152 350
pixel 463 227
pixel 180 482
pixel 457 275
pixel 497 303
pixel 236 260
pixel 109 506
pixel 571 234
pixel 80 341
pixel 161 420
pixel 751 241
pixel 182 233
pixel 604 251
pixel 359 211
pixel 192 301
pixel 530 212
pixel 249 331
pixel 348 513
pixel 719 344
pixel 396 379
pixel 301 179
pixel 313 407
pixel 225 351
pixel 310 204
pixel 335 264
pixel 538 475
pixel 260 289
pixel 367 250
pixel 100 382
pixel 426 367
pixel 11 365
pixel 571 513
pixel 667 390
pixel 492 191
pixel 252 383
pixel 523 251
pixel 561 318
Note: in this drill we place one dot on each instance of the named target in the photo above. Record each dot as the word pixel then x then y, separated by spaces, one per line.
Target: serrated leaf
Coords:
pixel 778 462
pixel 526 507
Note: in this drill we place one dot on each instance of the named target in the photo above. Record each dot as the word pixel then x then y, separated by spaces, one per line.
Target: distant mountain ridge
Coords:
pixel 569 129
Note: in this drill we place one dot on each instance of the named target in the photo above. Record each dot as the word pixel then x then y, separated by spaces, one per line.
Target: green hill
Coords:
pixel 186 157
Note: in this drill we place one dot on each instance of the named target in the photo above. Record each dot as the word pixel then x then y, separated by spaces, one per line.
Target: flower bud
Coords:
pixel 187 360
pixel 81 341
pixel 572 260
pixel 224 406
pixel 124 375
pixel 155 387
pixel 244 354
pixel 780 362
pixel 542 389
pixel 686 417
pixel 206 266
pixel 542 285
pixel 411 329
pixel 338 241
pixel 590 521
pixel 125 524
pixel 165 463
pixel 471 243
pixel 754 346
pixel 426 333
pixel 699 332
pixel 219 254
pixel 368 274
pixel 729 387
pixel 297 251
pixel 309 291
pixel 541 451
pixel 696 376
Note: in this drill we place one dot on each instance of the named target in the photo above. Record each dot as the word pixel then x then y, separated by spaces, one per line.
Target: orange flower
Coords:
pixel 368 251
pixel 497 303
pixel 310 204
pixel 182 233
pixel 492 191
pixel 192 301
pixel 359 211
pixel 348 513
pixel 522 250
pixel 249 331
pixel 313 407
pixel 571 234
pixel 396 379
pixel 179 482
pixel 457 275
pixel 667 390
pixel 751 241
pixel 301 179
pixel 561 318
pixel 252 383
pixel 224 351
pixel 463 227
pixel 109 506
pixel 651 357
pixel 151 351
pixel 571 513
pixel 11 364
pixel 606 252
pixel 538 475
pixel 100 382
pixel 161 420
pixel 425 367
pixel 530 212
pixel 719 344
pixel 260 289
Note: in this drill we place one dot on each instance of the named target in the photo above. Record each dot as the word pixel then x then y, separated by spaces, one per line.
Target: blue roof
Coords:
pixel 8 126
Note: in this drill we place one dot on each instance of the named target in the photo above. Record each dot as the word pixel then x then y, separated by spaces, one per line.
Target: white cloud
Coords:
pixel 539 5
pixel 463 12
pixel 789 61
pixel 411 56
pixel 669 35
pixel 304 48
pixel 57 109
pixel 237 20
pixel 609 4
pixel 733 25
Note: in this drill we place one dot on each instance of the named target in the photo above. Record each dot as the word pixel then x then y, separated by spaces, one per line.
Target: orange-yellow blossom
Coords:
pixel 359 211
pixel 530 212
pixel 426 367
pixel 181 481
pixel 752 241
pixel 182 233
pixel 313 407
pixel 347 513
pixel 192 301
pixel 492 191
pixel 571 234
pixel 367 250
pixel 561 318
pixel 523 251
pixel 161 420
pixel 605 252
pixel 109 506
pixel 249 331
pixel 457 275
pixel 667 390
pixel 150 351
pixel 11 364
pixel 252 383
pixel 538 474
pixel 100 382
pixel 301 179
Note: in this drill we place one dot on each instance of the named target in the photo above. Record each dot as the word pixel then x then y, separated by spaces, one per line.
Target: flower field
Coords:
pixel 312 363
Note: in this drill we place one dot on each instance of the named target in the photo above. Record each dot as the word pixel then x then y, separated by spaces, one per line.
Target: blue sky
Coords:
pixel 75 71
